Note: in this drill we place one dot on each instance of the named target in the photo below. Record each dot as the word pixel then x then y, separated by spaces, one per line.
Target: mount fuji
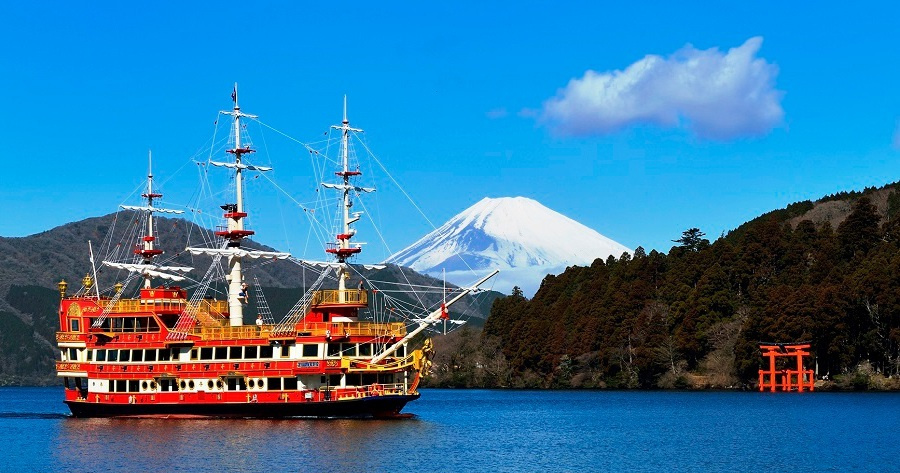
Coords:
pixel 523 239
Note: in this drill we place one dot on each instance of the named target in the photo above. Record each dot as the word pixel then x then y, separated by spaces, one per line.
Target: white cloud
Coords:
pixel 715 95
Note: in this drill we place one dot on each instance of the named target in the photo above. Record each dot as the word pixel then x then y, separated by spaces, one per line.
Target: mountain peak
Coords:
pixel 518 235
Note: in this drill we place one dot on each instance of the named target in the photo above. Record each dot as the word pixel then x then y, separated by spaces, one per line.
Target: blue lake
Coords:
pixel 481 430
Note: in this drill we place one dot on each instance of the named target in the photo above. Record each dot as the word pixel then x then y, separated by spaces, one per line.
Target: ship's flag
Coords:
pixel 234 94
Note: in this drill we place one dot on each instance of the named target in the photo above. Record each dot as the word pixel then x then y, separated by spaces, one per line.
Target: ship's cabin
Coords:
pixel 334 305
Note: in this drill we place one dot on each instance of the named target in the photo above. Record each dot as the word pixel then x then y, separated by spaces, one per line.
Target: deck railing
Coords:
pixel 145 305
pixel 335 330
pixel 347 296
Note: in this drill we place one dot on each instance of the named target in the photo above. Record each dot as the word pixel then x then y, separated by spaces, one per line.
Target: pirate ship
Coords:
pixel 167 351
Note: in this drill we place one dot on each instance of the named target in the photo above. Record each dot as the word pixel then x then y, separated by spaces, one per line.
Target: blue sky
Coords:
pixel 694 115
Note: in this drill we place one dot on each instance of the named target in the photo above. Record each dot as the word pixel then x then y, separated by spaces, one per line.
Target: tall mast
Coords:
pixel 234 214
pixel 148 251
pixel 342 250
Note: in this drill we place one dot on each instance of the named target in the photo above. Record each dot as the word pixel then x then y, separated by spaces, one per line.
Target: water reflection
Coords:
pixel 239 444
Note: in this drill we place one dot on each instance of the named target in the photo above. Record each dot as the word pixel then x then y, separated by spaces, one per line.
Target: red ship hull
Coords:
pixel 370 407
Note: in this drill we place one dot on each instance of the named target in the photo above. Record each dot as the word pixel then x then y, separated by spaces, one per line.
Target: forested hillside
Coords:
pixel 694 317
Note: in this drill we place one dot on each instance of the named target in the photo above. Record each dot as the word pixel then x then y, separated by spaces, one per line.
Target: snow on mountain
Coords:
pixel 519 236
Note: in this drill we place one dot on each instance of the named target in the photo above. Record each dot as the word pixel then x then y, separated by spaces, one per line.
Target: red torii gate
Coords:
pixel 787 379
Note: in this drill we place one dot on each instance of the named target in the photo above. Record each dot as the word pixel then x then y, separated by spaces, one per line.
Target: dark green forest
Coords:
pixel 693 318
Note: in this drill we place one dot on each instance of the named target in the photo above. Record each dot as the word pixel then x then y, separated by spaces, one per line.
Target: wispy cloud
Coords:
pixel 897 136
pixel 715 95
pixel 497 113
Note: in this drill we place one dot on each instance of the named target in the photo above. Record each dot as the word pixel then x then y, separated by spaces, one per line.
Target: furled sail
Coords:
pixel 151 209
pixel 151 270
pixel 240 166
pixel 239 252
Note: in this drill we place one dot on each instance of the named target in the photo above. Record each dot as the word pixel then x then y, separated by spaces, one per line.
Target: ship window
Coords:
pixel 112 355
pixel 265 352
pixel 164 354
pixel 206 353
pixel 365 349
pixel 368 379
pixel 62 355
pixel 401 351
pixel 125 355
pixel 191 384
pixel 133 386
pixel 101 355
pixel 250 352
pixel 290 384
pixel 193 353
pixel 143 385
pixel 121 385
pixel 165 385
pixel 182 384
pixel 251 383
pixel 74 324
pixel 66 382
pixel 232 384
pixel 348 349
pixel 90 354
pixel 334 349
pixel 236 353
pixel 310 350
pixel 221 353
pixel 150 355
pixel 73 354
pixel 137 355
pixel 334 380
pixel 274 384
pixel 241 385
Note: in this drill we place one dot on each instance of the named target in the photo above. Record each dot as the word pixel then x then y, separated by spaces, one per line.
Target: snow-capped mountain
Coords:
pixel 519 236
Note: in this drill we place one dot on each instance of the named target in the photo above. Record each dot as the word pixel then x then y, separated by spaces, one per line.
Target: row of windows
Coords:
pixel 123 356
pixel 173 385
pixel 229 383
pixel 220 353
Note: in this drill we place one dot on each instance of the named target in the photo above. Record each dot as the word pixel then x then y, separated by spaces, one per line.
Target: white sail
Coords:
pixel 347 187
pixel 335 264
pixel 151 209
pixel 240 252
pixel 240 166
pixel 148 270
pixel 135 267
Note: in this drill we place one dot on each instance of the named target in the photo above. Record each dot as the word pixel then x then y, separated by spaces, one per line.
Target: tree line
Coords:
pixel 694 317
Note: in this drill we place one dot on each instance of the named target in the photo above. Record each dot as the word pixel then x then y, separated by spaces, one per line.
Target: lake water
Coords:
pixel 481 430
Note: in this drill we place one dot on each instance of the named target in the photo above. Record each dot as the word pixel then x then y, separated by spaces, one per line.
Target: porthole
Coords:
pixel 191 384
pixel 144 385
pixel 183 384
pixel 152 384
pixel 250 384
pixel 219 384
pixel 260 384
pixel 209 384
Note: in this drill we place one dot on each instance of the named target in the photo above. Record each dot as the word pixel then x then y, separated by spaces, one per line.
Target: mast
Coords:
pixel 234 215
pixel 342 249
pixel 147 250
